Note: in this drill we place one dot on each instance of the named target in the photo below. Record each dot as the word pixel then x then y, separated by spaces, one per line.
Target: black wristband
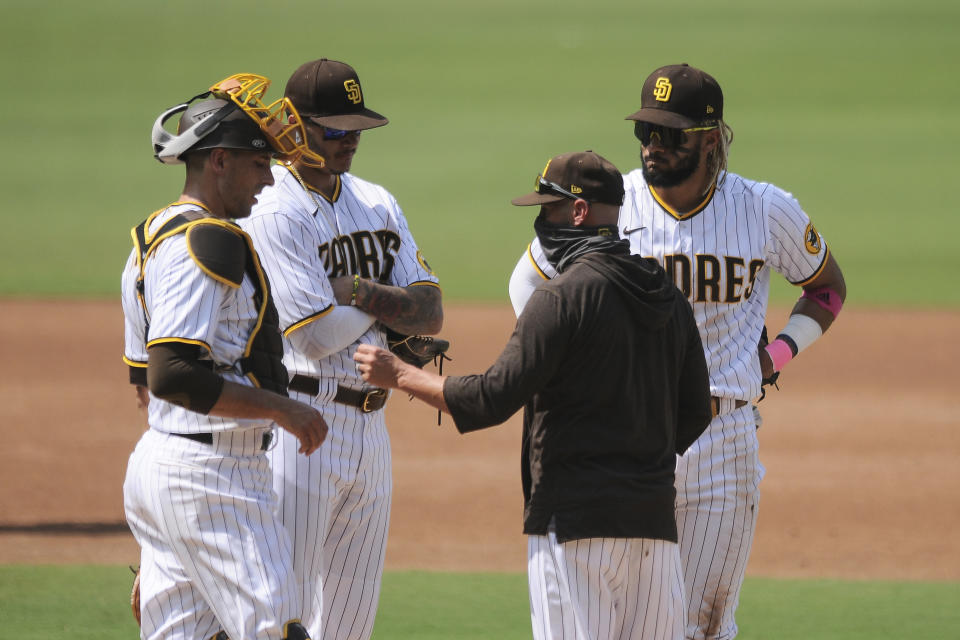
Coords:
pixel 138 376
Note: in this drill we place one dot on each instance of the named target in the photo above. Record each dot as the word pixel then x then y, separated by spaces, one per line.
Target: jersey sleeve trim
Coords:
pixel 136 371
pixel 823 264
pixel 534 263
pixel 199 343
pixel 306 321
pixel 424 283
pixel 138 376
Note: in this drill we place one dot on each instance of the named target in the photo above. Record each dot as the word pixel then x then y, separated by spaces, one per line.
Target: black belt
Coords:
pixel 207 438
pixel 715 404
pixel 367 400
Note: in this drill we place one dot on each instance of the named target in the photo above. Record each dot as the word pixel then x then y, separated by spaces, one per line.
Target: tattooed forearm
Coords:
pixel 410 310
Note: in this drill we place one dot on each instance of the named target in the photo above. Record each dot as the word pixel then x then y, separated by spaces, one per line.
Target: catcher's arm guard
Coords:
pixel 772 379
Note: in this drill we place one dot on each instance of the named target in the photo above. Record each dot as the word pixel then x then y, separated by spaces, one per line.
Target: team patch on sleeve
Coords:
pixel 811 240
pixel 423 263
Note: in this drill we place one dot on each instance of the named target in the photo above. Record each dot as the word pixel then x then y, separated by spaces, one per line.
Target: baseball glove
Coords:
pixel 418 350
pixel 135 595
pixel 772 379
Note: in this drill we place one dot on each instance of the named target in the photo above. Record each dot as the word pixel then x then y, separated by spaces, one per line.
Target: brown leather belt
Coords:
pixel 715 404
pixel 367 400
pixel 207 438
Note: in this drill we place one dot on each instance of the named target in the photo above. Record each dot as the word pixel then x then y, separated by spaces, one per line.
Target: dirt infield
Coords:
pixel 861 447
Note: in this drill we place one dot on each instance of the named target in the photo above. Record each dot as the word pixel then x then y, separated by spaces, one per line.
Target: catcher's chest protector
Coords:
pixel 225 252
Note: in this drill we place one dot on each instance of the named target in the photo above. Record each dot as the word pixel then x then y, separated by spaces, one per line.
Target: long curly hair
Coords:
pixel 719 156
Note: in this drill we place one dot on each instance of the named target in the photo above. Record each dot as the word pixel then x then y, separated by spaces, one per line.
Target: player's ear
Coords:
pixel 581 210
pixel 711 140
pixel 218 159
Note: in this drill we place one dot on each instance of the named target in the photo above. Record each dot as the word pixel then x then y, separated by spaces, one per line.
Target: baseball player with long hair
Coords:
pixel 718 235
pixel 201 334
pixel 345 269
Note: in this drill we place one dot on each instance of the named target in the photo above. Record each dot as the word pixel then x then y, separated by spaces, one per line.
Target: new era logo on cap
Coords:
pixel 679 96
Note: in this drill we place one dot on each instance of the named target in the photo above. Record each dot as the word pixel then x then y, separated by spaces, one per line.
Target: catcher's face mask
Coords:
pixel 279 121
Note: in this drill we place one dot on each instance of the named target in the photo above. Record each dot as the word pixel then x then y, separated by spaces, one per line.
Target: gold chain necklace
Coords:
pixel 336 221
pixel 303 183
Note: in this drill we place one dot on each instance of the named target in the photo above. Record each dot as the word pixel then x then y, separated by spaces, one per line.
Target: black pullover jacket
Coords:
pixel 607 362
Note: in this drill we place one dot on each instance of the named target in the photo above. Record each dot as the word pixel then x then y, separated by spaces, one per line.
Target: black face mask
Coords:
pixel 563 244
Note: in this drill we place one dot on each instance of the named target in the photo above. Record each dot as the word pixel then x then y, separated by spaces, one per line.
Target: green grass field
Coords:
pixel 89 603
pixel 848 104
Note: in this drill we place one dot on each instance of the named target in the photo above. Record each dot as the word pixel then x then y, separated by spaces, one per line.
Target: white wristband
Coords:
pixel 803 330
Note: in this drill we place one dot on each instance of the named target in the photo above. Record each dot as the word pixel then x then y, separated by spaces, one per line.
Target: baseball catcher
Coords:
pixel 193 274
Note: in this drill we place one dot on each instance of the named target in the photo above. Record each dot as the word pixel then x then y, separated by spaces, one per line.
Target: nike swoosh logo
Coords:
pixel 627 232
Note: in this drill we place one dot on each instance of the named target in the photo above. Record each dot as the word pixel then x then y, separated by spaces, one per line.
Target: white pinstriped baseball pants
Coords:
pixel 718 498
pixel 213 552
pixel 605 589
pixel 335 505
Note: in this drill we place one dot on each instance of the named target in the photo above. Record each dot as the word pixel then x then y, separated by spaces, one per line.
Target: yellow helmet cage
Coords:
pixel 279 120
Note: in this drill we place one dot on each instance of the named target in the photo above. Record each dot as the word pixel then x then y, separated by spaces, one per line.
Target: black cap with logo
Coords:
pixel 582 174
pixel 679 96
pixel 328 92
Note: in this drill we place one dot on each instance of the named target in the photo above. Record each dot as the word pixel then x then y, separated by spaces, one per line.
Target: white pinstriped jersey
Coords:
pixel 720 256
pixel 303 240
pixel 336 502
pixel 185 304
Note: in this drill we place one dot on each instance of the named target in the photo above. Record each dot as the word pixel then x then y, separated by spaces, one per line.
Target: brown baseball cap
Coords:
pixel 679 96
pixel 328 93
pixel 582 174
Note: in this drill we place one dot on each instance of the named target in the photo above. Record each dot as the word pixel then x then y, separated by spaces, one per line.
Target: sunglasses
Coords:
pixel 336 134
pixel 545 186
pixel 665 136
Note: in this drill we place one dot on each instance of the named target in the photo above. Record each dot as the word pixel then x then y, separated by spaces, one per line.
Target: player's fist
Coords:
pixel 378 366
pixel 766 363
pixel 305 423
pixel 343 289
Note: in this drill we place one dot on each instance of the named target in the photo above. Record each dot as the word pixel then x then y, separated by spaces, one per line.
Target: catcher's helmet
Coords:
pixel 232 115
pixel 207 125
